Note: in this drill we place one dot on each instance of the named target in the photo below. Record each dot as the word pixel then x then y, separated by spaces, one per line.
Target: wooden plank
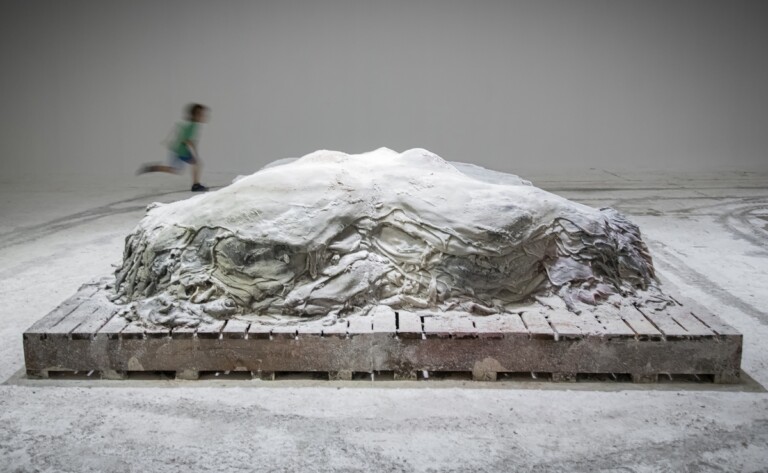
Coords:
pixel 691 324
pixel 527 344
pixel 88 328
pixel 716 324
pixel 338 329
pixel 235 329
pixel 409 325
pixel 564 323
pixel 63 310
pixel 183 333
pixel 384 320
pixel 285 331
pixel 259 330
pixel 462 325
pixel 637 321
pixel 510 322
pixel 312 327
pixel 212 330
pixel 585 321
pixel 537 324
pixel 449 324
pixel 359 325
pixel 665 323
pixel 615 327
pixel 157 331
pixel 112 328
pixel 500 325
pixel 132 331
pixel 435 326
pixel 588 324
pixel 85 311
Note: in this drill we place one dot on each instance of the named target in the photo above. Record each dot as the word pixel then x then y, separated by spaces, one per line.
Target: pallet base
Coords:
pixel 380 376
pixel 85 334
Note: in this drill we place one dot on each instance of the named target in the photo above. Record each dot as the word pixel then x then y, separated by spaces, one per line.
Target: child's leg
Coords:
pixel 168 169
pixel 175 164
pixel 196 172
pixel 196 186
pixel 195 163
pixel 157 168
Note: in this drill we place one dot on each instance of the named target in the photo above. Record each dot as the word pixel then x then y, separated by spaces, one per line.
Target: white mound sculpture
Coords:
pixel 331 234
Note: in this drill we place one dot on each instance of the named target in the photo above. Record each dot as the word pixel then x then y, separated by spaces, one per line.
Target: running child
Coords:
pixel 184 147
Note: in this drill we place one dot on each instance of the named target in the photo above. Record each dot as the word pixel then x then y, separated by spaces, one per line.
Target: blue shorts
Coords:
pixel 178 160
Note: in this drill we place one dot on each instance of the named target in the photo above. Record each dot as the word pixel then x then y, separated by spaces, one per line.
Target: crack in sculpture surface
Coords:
pixel 332 233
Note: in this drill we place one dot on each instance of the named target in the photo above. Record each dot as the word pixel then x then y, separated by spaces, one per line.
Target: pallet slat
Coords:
pixel 409 324
pixel 716 324
pixel 691 324
pixel 112 328
pixel 212 330
pixel 259 330
pixel 564 323
pixel 83 313
pixel 615 327
pixel 312 327
pixel 336 329
pixel 589 325
pixel 235 329
pixel 359 325
pixel 537 325
pixel 132 331
pixel 637 321
pixel 285 331
pixel 63 310
pixel 384 320
pixel 665 323
pixel 500 325
pixel 157 332
pixel 90 327
pixel 450 324
pixel 183 333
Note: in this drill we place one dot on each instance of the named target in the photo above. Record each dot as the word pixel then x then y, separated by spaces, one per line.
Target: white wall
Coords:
pixel 94 86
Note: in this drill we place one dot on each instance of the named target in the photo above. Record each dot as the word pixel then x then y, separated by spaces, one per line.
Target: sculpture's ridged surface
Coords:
pixel 333 233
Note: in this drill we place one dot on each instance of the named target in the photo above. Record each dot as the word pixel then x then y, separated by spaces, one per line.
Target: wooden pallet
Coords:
pixel 85 334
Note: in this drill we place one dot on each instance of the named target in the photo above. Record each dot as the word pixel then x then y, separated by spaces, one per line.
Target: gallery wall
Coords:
pixel 93 87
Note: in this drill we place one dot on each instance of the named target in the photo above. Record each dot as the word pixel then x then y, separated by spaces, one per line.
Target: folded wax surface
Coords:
pixel 333 234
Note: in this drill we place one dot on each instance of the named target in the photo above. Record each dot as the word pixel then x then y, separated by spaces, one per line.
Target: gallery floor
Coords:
pixel 708 235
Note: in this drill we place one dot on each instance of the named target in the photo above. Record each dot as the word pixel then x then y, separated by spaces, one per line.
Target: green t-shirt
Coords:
pixel 187 132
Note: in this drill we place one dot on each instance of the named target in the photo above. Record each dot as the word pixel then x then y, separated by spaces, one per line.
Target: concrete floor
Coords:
pixel 708 236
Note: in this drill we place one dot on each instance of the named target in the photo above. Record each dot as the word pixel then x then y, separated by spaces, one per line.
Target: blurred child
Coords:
pixel 184 147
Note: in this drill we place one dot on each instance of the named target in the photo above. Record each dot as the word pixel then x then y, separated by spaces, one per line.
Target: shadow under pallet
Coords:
pixel 85 334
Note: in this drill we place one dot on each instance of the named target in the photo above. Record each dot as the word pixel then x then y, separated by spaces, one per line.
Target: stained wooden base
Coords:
pixel 85 334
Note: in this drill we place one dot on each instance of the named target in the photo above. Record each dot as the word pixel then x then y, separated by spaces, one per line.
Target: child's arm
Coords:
pixel 192 147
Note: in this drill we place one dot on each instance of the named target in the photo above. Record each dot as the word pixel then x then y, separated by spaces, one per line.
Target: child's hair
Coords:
pixel 193 109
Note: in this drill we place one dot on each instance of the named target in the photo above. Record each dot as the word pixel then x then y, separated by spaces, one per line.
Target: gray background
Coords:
pixel 93 87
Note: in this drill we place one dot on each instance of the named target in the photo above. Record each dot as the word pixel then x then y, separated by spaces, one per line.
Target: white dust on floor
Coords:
pixel 305 427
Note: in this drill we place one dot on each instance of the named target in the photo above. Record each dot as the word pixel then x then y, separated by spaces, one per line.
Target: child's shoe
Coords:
pixel 197 187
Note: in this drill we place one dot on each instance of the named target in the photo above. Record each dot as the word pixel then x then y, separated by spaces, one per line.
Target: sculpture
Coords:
pixel 331 234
